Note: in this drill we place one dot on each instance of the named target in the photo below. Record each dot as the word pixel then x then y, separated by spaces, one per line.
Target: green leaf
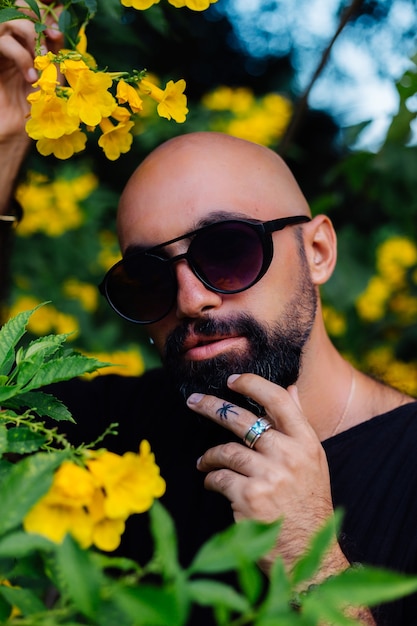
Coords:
pixel 64 368
pixel 34 6
pixel 23 599
pixel 5 610
pixel 363 586
pixel 5 467
pixel 11 14
pixel 10 334
pixel 155 606
pixel 27 481
pixel 64 21
pixel 22 440
pixel 309 563
pixel 224 551
pixel 78 576
pixel 277 600
pixel 39 27
pixel 165 540
pixel 9 392
pixel 20 544
pixel 206 592
pixel 250 579
pixel 44 404
pixel 91 6
pixel 3 439
pixel 47 345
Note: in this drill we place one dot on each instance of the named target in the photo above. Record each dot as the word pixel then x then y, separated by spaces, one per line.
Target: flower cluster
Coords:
pixel 91 100
pixel 388 288
pixel 194 5
pixel 46 319
pixel 53 206
pixel 239 113
pixel 92 502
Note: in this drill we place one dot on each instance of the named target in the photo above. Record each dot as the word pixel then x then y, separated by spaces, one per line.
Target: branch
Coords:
pixel 301 106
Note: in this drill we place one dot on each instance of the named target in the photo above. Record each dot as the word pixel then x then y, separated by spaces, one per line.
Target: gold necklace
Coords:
pixel 347 406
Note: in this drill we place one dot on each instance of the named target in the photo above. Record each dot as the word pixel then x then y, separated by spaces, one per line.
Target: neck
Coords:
pixel 335 396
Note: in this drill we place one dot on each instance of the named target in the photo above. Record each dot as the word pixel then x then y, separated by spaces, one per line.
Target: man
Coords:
pixel 223 264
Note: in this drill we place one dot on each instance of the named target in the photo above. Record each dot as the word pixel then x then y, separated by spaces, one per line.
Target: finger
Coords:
pixel 226 414
pixel 281 406
pixel 21 56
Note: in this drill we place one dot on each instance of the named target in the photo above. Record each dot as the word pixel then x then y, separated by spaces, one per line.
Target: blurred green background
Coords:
pixel 248 70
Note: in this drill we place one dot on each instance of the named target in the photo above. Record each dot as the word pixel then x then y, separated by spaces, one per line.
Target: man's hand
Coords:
pixel 17 51
pixel 285 475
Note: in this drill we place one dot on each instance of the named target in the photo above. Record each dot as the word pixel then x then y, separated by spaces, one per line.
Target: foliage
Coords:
pixel 47 580
pixel 373 296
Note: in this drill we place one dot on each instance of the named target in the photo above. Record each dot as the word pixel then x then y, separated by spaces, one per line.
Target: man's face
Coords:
pixel 208 334
pixel 273 351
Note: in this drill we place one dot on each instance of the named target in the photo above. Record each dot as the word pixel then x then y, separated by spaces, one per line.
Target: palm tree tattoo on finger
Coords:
pixel 227 407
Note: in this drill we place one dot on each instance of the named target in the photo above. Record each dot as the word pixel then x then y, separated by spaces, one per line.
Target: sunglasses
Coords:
pixel 227 257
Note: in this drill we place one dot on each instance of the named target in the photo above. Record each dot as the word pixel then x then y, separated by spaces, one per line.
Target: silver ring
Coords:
pixel 257 429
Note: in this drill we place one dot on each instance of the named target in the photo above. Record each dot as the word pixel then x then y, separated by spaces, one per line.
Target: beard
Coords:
pixel 273 352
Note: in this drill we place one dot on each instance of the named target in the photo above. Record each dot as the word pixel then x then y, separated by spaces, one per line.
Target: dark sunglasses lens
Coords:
pixel 142 288
pixel 228 256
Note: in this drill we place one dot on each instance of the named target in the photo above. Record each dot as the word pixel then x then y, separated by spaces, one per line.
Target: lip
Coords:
pixel 200 348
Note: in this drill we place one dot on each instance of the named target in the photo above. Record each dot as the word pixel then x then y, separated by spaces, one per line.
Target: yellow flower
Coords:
pixel 115 140
pixel 335 321
pixel 172 101
pixel 46 319
pixel 85 293
pixel 127 93
pixel 371 304
pixel 106 532
pixel 65 323
pixel 130 482
pixel 141 5
pixel 42 61
pixel 52 207
pixel 237 100
pixel 90 99
pixel 126 363
pixel 48 79
pixel 81 46
pixel 382 363
pixel 195 5
pixel 394 257
pixel 51 118
pixel 261 120
pixel 64 508
pixel 109 250
pixel 63 147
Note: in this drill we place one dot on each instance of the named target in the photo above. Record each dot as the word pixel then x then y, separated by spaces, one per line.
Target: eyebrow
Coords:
pixel 208 220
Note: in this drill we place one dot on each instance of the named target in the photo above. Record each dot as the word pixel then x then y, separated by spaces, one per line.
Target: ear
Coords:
pixel 321 248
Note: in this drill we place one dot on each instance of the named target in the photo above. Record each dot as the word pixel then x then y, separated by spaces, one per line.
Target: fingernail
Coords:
pixel 195 398
pixel 198 461
pixel 233 377
pixel 32 75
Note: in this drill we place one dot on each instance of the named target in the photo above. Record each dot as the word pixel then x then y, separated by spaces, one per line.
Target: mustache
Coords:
pixel 240 324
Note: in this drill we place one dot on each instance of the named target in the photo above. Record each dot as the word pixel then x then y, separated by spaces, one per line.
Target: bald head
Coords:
pixel 196 174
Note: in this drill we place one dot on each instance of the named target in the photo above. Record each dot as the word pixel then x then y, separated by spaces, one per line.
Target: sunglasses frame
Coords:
pixel 264 231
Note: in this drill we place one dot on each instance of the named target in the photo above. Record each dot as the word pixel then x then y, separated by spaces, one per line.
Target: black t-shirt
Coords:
pixel 373 472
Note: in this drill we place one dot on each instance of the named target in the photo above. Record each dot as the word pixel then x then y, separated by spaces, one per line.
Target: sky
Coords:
pixel 358 83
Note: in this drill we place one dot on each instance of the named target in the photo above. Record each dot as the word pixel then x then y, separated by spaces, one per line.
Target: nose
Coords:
pixel 193 298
